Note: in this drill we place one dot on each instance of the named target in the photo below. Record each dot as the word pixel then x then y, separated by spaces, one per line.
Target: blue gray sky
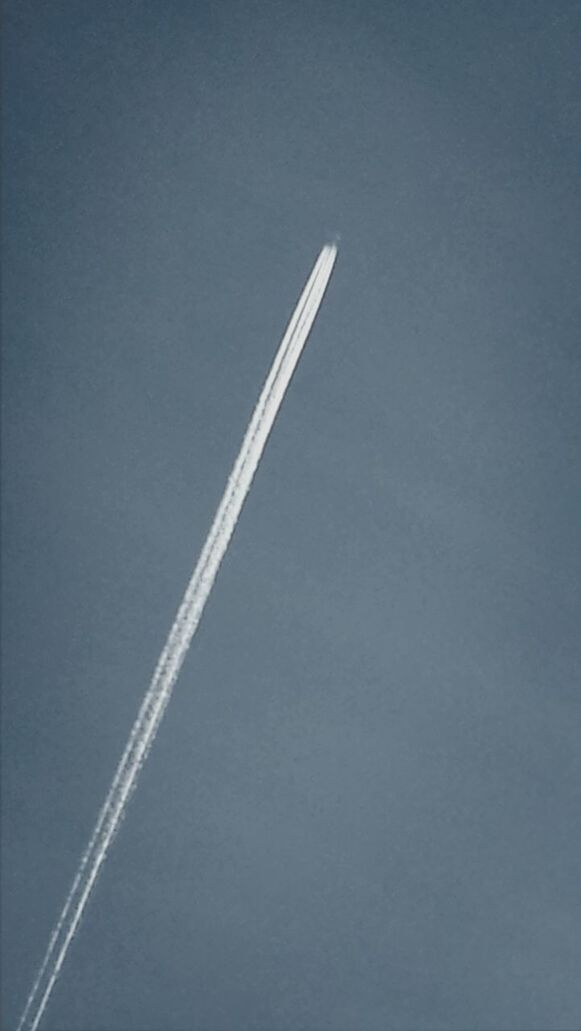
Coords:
pixel 362 809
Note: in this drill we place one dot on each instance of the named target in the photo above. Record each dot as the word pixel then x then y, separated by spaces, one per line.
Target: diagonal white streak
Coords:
pixel 184 626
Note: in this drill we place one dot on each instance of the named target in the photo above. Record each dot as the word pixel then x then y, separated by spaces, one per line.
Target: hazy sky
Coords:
pixel 362 809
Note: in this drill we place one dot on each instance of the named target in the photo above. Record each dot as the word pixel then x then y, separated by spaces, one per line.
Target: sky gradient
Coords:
pixel 361 812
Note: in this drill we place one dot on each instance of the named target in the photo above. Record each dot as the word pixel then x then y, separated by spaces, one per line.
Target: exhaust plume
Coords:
pixel 180 636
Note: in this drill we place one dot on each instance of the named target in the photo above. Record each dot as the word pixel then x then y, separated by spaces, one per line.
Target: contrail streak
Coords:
pixel 184 626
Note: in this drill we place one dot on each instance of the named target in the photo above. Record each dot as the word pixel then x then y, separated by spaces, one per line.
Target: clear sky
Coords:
pixel 362 809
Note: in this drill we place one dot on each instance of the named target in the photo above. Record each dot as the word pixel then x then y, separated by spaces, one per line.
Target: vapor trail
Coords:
pixel 184 626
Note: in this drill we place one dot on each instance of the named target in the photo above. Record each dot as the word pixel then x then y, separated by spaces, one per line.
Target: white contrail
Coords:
pixel 184 626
